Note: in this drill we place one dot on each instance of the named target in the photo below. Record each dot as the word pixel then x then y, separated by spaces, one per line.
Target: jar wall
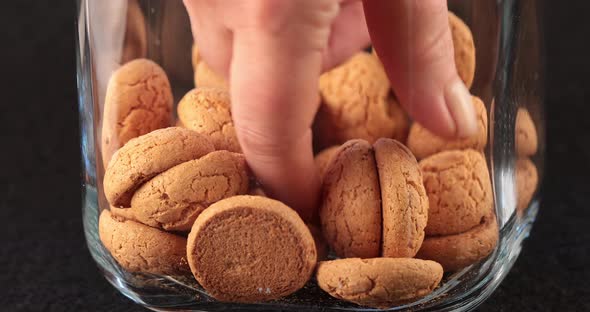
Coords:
pixel 508 78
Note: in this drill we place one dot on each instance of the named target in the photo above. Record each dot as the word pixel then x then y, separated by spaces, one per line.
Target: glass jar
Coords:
pixel 508 79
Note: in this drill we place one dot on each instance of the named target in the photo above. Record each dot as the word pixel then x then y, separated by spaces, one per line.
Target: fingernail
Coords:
pixel 459 103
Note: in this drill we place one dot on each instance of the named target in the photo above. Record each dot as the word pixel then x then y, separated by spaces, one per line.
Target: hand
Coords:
pixel 273 52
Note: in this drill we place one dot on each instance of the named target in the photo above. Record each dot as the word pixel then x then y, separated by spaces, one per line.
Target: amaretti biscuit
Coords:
pixel 206 77
pixel 249 249
pixel 140 248
pixel 207 111
pixel 144 157
pixel 527 140
pixel 172 200
pixel 459 191
pixel 354 103
pixel 464 48
pixel 351 202
pixel 527 179
pixel 195 56
pixel 457 251
pixel 373 201
pixel 424 143
pixel 379 282
pixel 403 199
pixel 138 101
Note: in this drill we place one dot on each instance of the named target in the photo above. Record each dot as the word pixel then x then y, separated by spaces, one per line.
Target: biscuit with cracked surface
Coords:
pixel 424 143
pixel 527 179
pixel 138 100
pixel 459 191
pixel 379 282
pixel 250 249
pixel 403 199
pixel 146 156
pixel 354 103
pixel 464 48
pixel 350 213
pixel 527 140
pixel 207 111
pixel 205 76
pixel 323 158
pixel 458 251
pixel 140 248
pixel 173 200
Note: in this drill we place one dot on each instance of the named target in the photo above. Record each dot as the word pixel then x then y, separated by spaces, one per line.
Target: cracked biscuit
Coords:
pixel 250 249
pixel 206 77
pixel 207 111
pixel 459 191
pixel 144 157
pixel 379 282
pixel 138 101
pixel 174 199
pixel 526 134
pixel 527 179
pixel 140 248
pixel 464 48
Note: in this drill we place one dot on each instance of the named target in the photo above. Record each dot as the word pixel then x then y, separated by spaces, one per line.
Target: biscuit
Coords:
pixel 323 158
pixel 457 251
pixel 464 48
pixel 140 248
pixel 250 249
pixel 138 101
pixel 526 134
pixel 206 77
pixel 173 199
pixel 459 190
pixel 146 156
pixel 403 199
pixel 207 111
pixel 355 103
pixel 350 213
pixel 424 143
pixel 379 282
pixel 527 179
pixel 400 118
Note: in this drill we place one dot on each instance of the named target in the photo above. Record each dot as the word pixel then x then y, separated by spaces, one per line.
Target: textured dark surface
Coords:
pixel 44 262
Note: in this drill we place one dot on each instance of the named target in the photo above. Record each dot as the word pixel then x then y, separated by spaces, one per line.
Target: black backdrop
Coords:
pixel 45 266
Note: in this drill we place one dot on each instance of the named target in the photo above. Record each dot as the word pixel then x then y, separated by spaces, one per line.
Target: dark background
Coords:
pixel 44 263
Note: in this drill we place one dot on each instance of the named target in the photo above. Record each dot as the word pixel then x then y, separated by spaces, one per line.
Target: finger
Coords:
pixel 348 36
pixel 414 43
pixel 212 37
pixel 276 64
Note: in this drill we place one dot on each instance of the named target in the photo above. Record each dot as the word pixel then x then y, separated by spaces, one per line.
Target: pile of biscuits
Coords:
pixel 183 200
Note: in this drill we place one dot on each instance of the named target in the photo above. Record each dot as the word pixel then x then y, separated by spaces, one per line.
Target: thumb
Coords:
pixel 277 59
pixel 414 43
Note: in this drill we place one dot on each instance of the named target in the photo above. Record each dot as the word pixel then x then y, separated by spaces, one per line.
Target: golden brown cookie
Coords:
pixel 379 282
pixel 249 249
pixel 403 199
pixel 457 251
pixel 140 248
pixel 459 190
pixel 351 202
pixel 138 101
pixel 174 199
pixel 323 158
pixel 526 134
pixel 146 156
pixel 400 120
pixel 355 103
pixel 207 111
pixel 464 48
pixel 424 143
pixel 206 77
pixel 527 179
pixel 135 42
